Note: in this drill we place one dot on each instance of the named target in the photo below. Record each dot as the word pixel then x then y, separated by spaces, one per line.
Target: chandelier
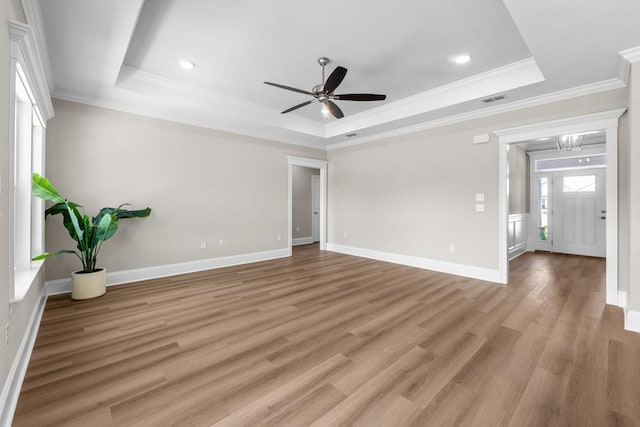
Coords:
pixel 570 142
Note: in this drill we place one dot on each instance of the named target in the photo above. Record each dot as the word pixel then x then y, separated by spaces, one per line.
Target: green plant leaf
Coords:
pixel 107 227
pixel 48 254
pixel 122 213
pixel 42 188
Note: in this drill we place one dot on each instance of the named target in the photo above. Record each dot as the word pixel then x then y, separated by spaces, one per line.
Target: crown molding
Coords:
pixel 562 95
pixel 154 111
pixel 498 80
pixel 585 123
pixel 24 50
pixel 174 92
pixel 625 59
pixel 33 15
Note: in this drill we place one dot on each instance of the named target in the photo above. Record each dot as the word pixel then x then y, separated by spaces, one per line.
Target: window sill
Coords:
pixel 23 279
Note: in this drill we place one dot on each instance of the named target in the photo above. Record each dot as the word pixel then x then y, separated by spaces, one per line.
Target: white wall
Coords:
pixel 202 185
pixel 301 201
pixel 414 194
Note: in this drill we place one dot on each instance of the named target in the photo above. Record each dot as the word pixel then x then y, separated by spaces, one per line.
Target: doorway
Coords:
pixel 568 196
pixel 320 169
pixel 305 205
pixel 607 122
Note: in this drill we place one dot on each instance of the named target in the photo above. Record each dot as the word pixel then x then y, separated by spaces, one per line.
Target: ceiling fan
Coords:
pixel 323 93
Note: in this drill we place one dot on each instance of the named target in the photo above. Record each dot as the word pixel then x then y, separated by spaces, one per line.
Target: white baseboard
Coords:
pixel 622 301
pixel 301 241
pixel 62 286
pixel 480 273
pixel 517 251
pixel 632 321
pixel 15 377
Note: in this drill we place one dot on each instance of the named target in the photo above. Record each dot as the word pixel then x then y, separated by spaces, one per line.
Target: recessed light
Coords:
pixel 462 59
pixel 186 64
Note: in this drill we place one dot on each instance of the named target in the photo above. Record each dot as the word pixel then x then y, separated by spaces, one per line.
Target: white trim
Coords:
pixel 33 15
pixel 24 46
pixel 579 124
pixel 502 79
pixel 301 241
pixel 519 248
pixel 631 55
pixel 632 321
pixel 308 163
pixel 184 116
pixel 607 120
pixel 503 215
pixel 62 286
pixel 15 376
pixel 464 270
pixel 625 59
pixel 562 95
pixel 622 301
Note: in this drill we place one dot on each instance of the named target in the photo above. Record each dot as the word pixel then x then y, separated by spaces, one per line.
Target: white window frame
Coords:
pixel 31 104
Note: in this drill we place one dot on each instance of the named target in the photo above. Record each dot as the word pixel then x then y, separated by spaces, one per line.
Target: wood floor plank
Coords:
pixel 325 339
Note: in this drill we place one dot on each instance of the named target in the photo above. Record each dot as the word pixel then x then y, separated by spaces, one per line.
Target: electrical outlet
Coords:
pixel 452 247
pixel 345 235
pixel 279 237
pixel 220 243
pixel 6 335
pixel 203 244
pixel 297 228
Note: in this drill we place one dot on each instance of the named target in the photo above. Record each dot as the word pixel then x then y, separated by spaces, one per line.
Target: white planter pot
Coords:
pixel 89 285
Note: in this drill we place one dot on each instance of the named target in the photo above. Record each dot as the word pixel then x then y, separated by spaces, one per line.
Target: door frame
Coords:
pixel 313 215
pixel 532 235
pixel 607 121
pixel 315 164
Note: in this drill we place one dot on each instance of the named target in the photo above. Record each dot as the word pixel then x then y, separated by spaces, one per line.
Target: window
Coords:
pixel 543 210
pixel 29 100
pixel 577 162
pixel 579 184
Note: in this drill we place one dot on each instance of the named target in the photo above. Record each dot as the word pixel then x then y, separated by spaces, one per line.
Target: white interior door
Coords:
pixel 315 207
pixel 579 212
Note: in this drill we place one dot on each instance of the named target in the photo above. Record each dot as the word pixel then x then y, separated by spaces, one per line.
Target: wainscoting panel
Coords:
pixel 517 234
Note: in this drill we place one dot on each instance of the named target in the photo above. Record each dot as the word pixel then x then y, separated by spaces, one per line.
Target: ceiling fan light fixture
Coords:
pixel 462 58
pixel 187 65
pixel 325 111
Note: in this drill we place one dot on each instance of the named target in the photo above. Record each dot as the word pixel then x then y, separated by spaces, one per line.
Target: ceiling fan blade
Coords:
pixel 360 97
pixel 334 80
pixel 298 106
pixel 334 109
pixel 289 88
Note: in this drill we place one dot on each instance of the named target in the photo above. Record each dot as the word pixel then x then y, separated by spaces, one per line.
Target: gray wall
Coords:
pixel 202 185
pixel 518 180
pixel 414 194
pixel 301 200
pixel 17 316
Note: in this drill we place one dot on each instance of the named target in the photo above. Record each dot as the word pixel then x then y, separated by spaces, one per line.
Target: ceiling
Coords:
pixel 124 54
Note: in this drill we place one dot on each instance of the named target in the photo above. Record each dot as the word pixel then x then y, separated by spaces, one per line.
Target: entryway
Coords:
pixel 568 201
pixel 605 122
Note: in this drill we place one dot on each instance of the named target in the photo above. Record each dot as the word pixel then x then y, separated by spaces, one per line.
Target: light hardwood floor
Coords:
pixel 326 339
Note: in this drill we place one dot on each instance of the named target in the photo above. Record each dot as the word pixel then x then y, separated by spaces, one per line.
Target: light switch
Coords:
pixel 479 208
pixel 479 197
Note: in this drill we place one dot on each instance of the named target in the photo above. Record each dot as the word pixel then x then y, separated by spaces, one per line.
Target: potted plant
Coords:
pixel 90 234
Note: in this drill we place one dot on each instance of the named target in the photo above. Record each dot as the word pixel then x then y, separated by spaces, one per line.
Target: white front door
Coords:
pixel 315 207
pixel 579 212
